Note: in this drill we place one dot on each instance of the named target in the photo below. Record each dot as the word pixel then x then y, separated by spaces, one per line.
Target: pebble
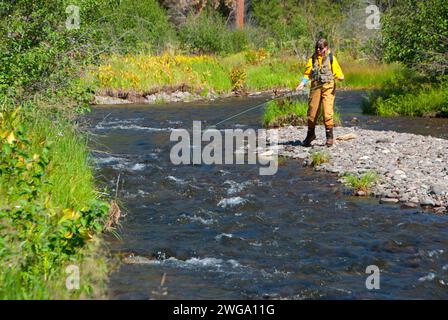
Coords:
pixel 428 202
pixel 410 205
pixel 412 169
pixel 389 200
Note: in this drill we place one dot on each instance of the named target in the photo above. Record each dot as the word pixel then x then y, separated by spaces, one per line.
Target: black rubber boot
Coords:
pixel 329 134
pixel 310 136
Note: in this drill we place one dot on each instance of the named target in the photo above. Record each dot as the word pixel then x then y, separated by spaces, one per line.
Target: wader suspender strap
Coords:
pixel 330 55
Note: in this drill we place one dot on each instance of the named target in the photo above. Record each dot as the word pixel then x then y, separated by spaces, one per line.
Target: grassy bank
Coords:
pixel 50 214
pixel 251 70
pixel 289 112
pixel 408 99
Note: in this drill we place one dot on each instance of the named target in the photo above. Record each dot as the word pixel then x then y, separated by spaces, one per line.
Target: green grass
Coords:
pixel 319 157
pixel 70 173
pixel 363 75
pixel 141 74
pixel 289 112
pixel 363 182
pixel 50 212
pixel 417 102
pixel 408 94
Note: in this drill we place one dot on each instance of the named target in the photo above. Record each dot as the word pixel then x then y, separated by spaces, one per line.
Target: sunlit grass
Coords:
pixel 290 112
pixel 32 263
pixel 430 101
pixel 153 73
pixel 319 157
pixel 363 182
pixel 368 75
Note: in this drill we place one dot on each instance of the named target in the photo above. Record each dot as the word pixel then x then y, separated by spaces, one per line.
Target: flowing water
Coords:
pixel 225 232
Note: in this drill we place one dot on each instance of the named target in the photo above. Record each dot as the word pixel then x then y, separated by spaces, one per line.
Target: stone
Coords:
pixel 409 205
pixel 391 195
pixel 388 200
pixel 384 140
pixel 440 210
pixel 428 202
pixel 438 190
pixel 345 137
pixel 361 193
pixel 414 200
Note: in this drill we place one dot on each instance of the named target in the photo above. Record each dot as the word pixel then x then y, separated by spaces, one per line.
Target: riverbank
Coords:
pixel 173 78
pixel 411 168
pixel 51 213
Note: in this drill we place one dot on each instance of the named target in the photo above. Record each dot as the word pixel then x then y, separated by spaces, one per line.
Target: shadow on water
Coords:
pixel 225 232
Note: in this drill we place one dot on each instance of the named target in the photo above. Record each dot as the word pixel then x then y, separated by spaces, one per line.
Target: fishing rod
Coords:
pixel 289 94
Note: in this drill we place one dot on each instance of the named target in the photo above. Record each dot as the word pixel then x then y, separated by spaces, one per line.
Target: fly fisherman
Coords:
pixel 322 69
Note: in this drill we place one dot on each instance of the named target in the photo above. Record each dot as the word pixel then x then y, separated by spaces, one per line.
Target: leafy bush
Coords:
pixel 40 229
pixel 205 33
pixel 283 20
pixel 416 33
pixel 289 112
pixel 238 77
pixel 319 157
pixel 134 26
pixel 256 56
pixel 362 182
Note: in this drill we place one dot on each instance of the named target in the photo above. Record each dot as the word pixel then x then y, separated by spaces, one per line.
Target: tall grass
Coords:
pixel 319 157
pixel 70 173
pixel 50 212
pixel 144 74
pixel 363 182
pixel 426 101
pixel 369 75
pixel 289 112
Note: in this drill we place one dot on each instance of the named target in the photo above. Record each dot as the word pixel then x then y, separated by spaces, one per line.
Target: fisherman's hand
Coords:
pixel 300 86
pixel 341 79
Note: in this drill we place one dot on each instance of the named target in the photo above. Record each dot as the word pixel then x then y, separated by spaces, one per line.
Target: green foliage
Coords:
pixel 284 20
pixel 416 33
pixel 362 182
pixel 319 157
pixel 238 78
pixel 417 102
pixel 286 112
pixel 408 94
pixel 41 229
pixel 256 56
pixel 134 26
pixel 205 33
pixel 39 55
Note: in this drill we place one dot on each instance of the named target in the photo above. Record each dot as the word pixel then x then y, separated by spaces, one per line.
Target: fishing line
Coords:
pixel 288 95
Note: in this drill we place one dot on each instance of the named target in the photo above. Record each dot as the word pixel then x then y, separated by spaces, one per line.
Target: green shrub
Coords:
pixel 238 78
pixel 283 20
pixel 410 94
pixel 319 157
pixel 134 26
pixel 285 112
pixel 362 182
pixel 205 33
pixel 49 211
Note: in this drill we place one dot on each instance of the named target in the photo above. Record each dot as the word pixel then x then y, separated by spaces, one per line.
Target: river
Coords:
pixel 225 232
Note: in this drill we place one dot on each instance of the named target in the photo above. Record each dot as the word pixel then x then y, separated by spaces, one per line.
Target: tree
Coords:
pixel 416 33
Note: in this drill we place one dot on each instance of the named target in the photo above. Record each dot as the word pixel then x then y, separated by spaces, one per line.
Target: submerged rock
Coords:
pixel 389 200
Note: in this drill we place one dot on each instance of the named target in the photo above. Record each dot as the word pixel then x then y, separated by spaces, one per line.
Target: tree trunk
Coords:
pixel 240 14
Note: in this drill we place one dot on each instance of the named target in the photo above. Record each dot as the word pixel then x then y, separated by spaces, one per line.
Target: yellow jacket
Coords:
pixel 337 71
